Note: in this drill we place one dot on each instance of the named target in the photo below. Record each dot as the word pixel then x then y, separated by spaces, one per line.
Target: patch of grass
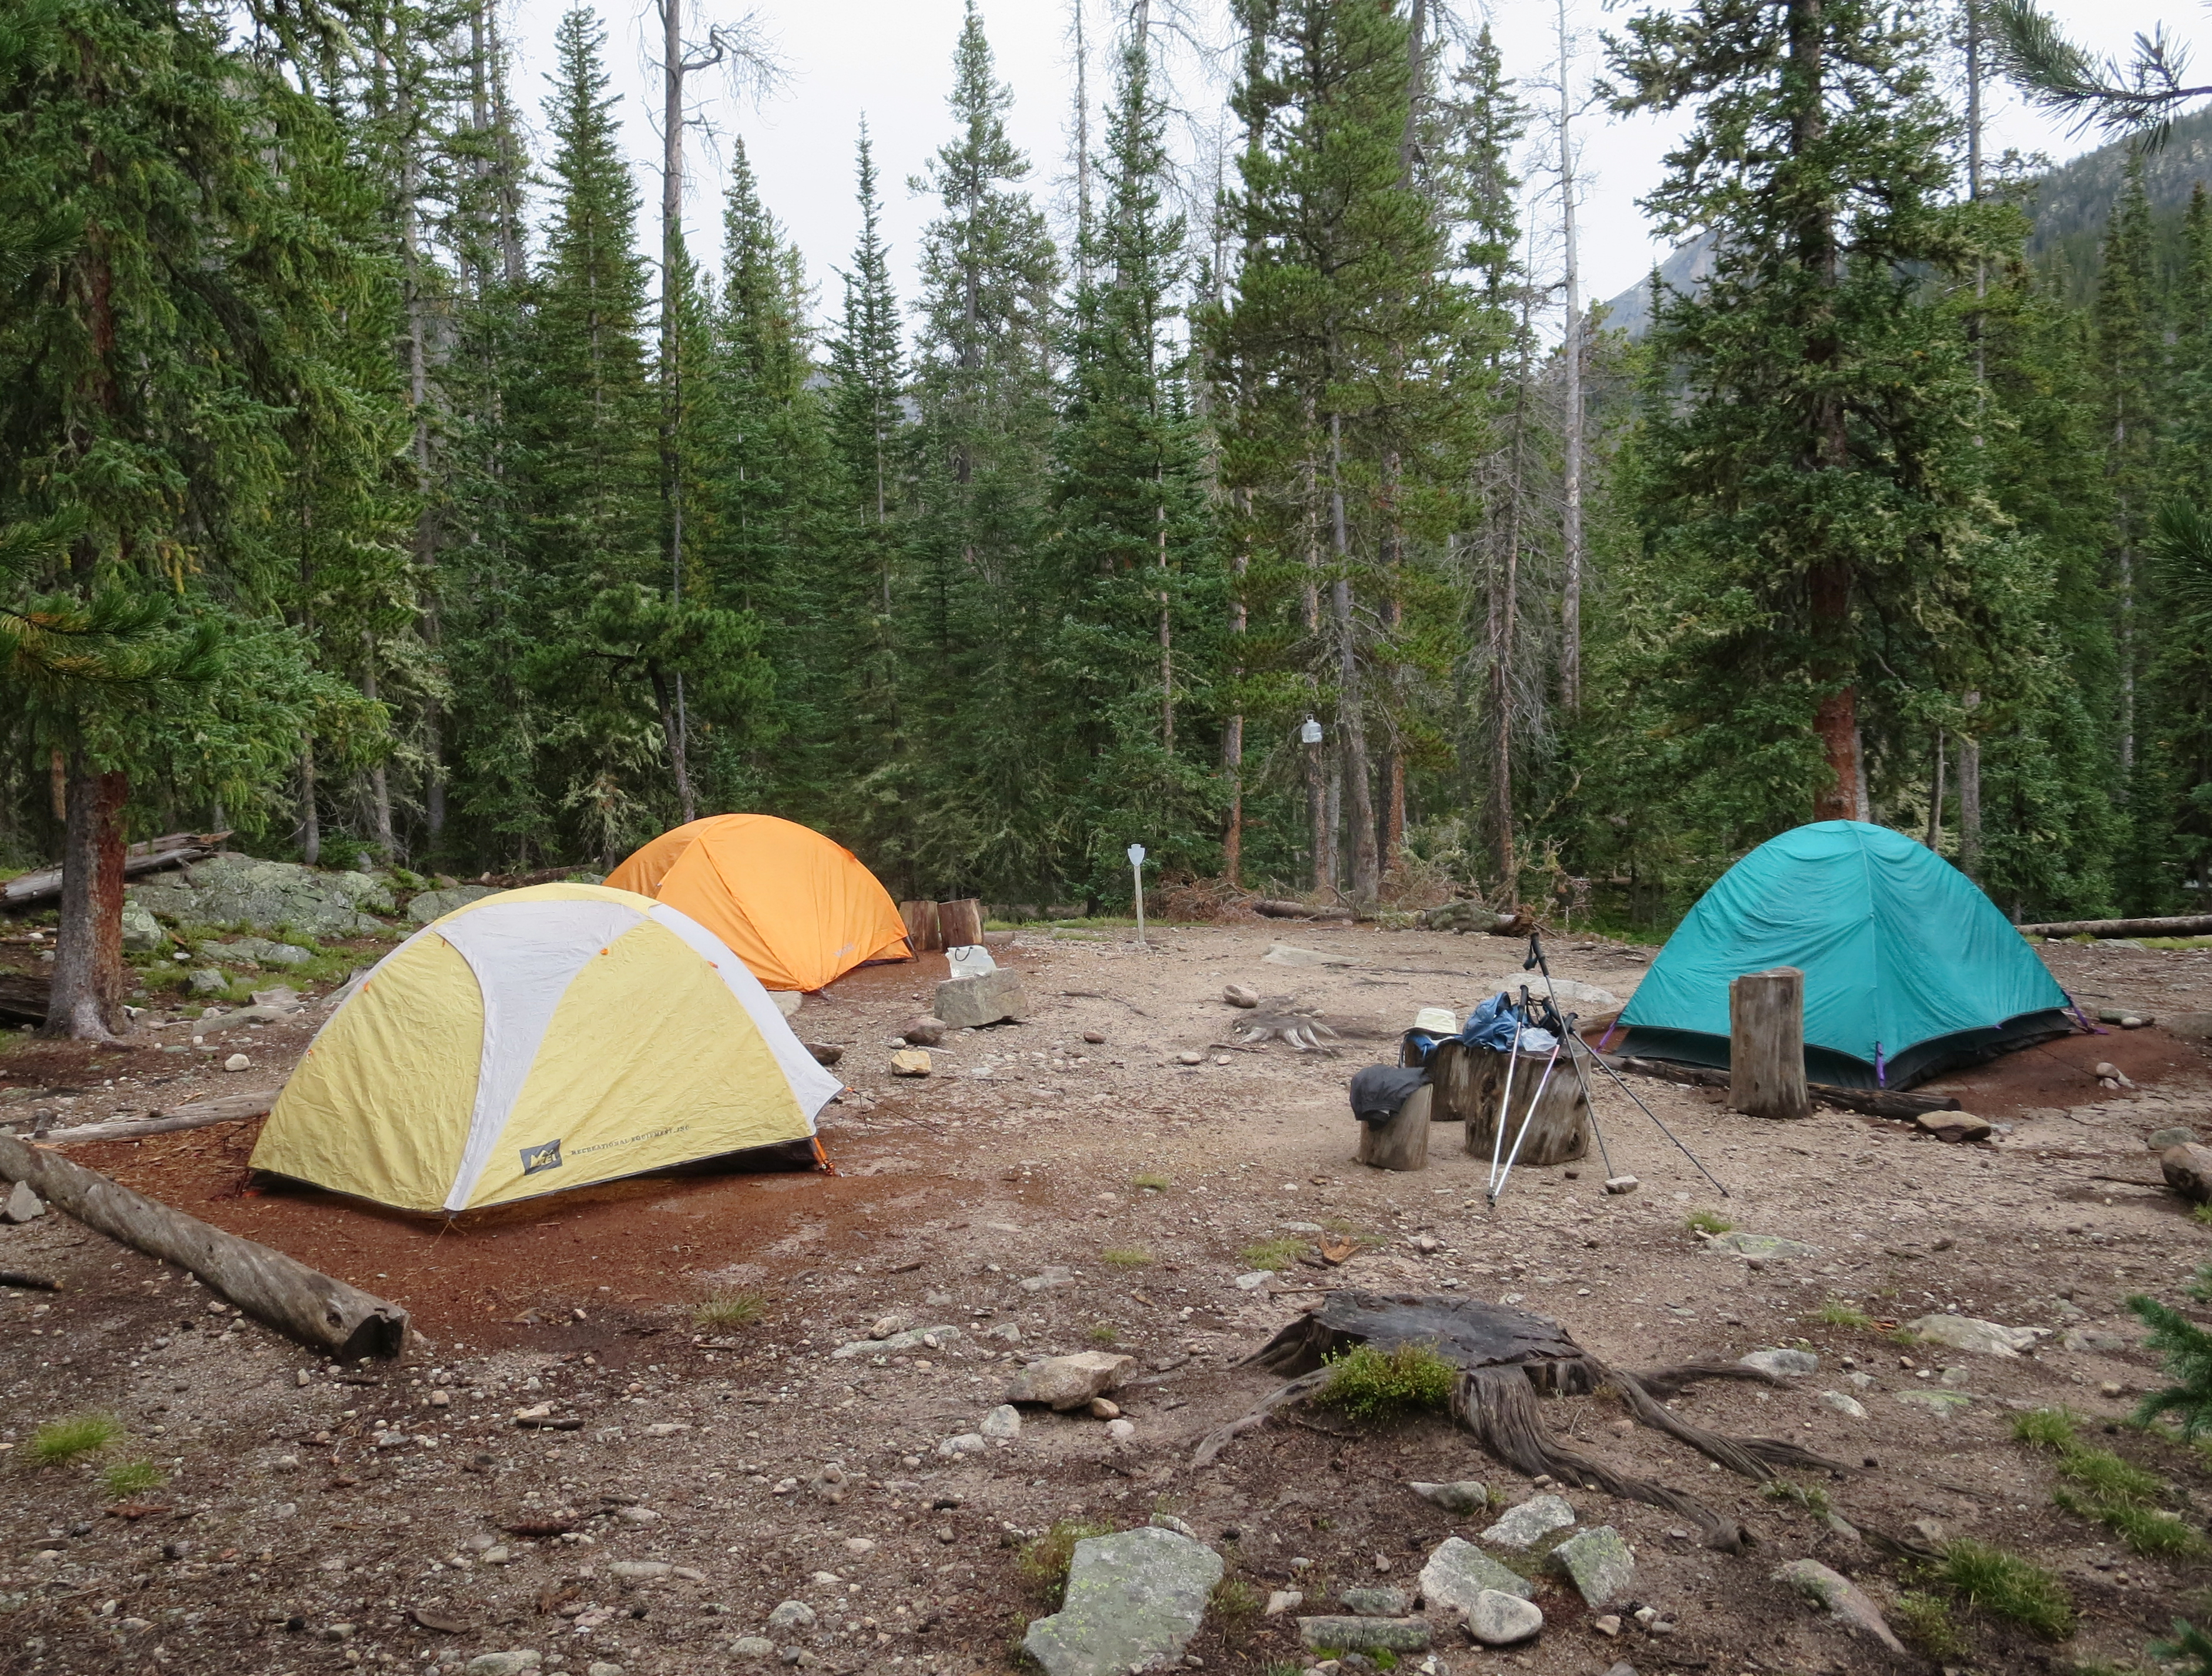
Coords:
pixel 58 1442
pixel 1925 1620
pixel 1810 1497
pixel 1154 1181
pixel 132 1478
pixel 1105 1333
pixel 729 1309
pixel 1043 1563
pixel 1235 1605
pixel 1708 1222
pixel 1992 1579
pixel 2147 1530
pixel 1127 1257
pixel 2106 1475
pixel 2203 1213
pixel 2046 1428
pixel 1271 1253
pixel 2191 1649
pixel 1836 1313
pixel 1369 1384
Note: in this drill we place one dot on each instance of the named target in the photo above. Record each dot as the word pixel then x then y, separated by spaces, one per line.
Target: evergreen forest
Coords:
pixel 379 483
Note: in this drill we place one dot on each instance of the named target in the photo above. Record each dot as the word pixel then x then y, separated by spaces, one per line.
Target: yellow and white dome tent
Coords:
pixel 540 1039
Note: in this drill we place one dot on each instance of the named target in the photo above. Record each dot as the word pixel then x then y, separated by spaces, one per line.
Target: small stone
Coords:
pixel 1240 995
pixel 1002 1424
pixel 752 1647
pixel 860 1545
pixel 1608 1626
pixel 22 1205
pixel 1534 1518
pixel 1254 1280
pixel 1187 1057
pixel 1952 1126
pixel 945 1533
pixel 887 1325
pixel 792 1615
pixel 1283 1601
pixel 2095 1343
pixel 1121 1431
pixel 1621 1184
pixel 1500 1619
pixel 925 1031
pixel 969 1003
pixel 635 1514
pixel 511 1663
pixel 498 1555
pixel 1598 1562
pixel 1965 1333
pixel 206 980
pixel 2111 1388
pixel 910 1061
pixel 629 1571
pixel 2159 1140
pixel 968 1443
pixel 1941 1404
pixel 1374 1602
pixel 601 1667
pixel 1065 1382
pixel 1846 1602
pixel 1056 1277
pixel 2188 1171
pixel 1771 1246
pixel 1103 1408
pixel 238 1061
pixel 1845 1404
pixel 1786 1363
pixel 1096 1038
pixel 1365 1635
pixel 1461 1496
pixel 1167 1521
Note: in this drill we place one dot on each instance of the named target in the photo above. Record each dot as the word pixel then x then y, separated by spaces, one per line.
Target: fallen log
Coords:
pixel 1874 1102
pixel 2174 925
pixel 1464 916
pixel 1269 908
pixel 29 1282
pixel 224 1108
pixel 287 1295
pixel 170 849
pixel 23 997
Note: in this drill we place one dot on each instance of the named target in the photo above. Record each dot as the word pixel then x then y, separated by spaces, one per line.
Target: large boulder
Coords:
pixel 257 951
pixel 1065 1382
pixel 431 905
pixel 1135 1600
pixel 1459 1573
pixel 969 1003
pixel 2188 1171
pixel 268 896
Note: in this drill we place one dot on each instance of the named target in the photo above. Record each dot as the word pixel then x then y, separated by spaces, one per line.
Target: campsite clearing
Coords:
pixel 686 1472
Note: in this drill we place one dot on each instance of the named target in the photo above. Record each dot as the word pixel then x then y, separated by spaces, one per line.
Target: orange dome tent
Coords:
pixel 799 909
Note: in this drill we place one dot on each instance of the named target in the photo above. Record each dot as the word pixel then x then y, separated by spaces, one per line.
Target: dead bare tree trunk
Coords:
pixel 1570 354
pixel 1352 720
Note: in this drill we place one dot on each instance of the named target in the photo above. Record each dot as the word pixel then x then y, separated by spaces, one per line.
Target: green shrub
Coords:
pixel 1926 1621
pixel 1234 1606
pixel 1127 1257
pixel 1273 1254
pixel 58 1442
pixel 2003 1584
pixel 132 1478
pixel 730 1310
pixel 1369 1384
pixel 1708 1222
pixel 2187 1348
pixel 1104 1333
pixel 2046 1428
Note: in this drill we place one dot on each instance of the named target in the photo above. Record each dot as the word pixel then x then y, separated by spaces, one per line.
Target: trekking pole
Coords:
pixel 1599 1059
pixel 1527 1119
pixel 1505 1100
pixel 1582 1081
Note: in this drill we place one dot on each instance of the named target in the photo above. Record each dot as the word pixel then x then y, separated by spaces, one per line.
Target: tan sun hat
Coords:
pixel 1437 1021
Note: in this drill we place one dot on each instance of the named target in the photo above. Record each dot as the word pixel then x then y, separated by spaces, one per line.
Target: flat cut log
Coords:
pixel 340 1320
pixel 1559 1125
pixel 921 933
pixel 961 923
pixel 171 850
pixel 224 1108
pixel 2174 925
pixel 1402 1143
pixel 1766 1043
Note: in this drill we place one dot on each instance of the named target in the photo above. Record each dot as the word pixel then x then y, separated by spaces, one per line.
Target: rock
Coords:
pixel 22 1205
pixel 1374 1602
pixel 2159 1140
pixel 968 1443
pixel 256 952
pixel 268 896
pixel 142 933
pixel 1609 1624
pixel 1009 1332
pixel 1056 1279
pixel 1461 1496
pixel 431 905
pixel 1771 1246
pixel 1288 954
pixel 1240 995
pixel 1254 1281
pixel 1187 1057
pixel 1598 1562
pixel 206 980
pixel 1965 1333
pixel 792 1615
pixel 1121 1431
pixel 913 1338
pixel 1283 1601
pixel 1621 1184
pixel 1500 1619
pixel 1134 1601
pixel 1458 1572
pixel 601 1667
pixel 1845 1600
pixel 285 998
pixel 969 1004
pixel 1845 1404
pixel 1167 1521
pixel 1787 1363
pixel 1941 1404
pixel 238 1061
pixel 2188 1171
pixel 752 1647
pixel 924 1032
pixel 502 1664
pixel 1003 1423
pixel 1063 1383
pixel 2095 1343
pixel 887 1326
pixel 909 1062
pixel 629 1571
pixel 1103 1408
pixel 1536 1518
pixel 1364 1635
pixel 1952 1126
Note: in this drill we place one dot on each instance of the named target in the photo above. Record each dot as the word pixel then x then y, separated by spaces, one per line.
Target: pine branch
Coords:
pixel 2054 71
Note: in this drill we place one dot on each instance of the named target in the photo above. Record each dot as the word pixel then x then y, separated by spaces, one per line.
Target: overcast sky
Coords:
pixel 890 61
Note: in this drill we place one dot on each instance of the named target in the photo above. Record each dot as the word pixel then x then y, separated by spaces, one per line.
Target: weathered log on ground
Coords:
pixel 23 997
pixel 224 1108
pixel 1766 1043
pixel 1401 1143
pixel 287 1295
pixel 171 850
pixel 1270 908
pixel 1874 1102
pixel 1466 916
pixel 960 924
pixel 922 935
pixel 2174 925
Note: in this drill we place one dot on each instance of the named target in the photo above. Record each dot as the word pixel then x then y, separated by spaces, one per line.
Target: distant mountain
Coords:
pixel 2069 206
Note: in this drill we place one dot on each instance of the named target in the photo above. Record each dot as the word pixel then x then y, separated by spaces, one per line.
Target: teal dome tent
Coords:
pixel 1909 969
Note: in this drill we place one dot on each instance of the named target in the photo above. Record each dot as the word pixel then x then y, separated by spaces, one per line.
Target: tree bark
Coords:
pixel 922 935
pixel 1970 799
pixel 960 924
pixel 311 825
pixel 1352 722
pixel 1936 797
pixel 1766 1043
pixel 85 1002
pixel 1570 354
pixel 380 784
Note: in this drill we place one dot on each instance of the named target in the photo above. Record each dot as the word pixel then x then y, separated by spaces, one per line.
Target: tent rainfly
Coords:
pixel 799 909
pixel 536 1040
pixel 1908 968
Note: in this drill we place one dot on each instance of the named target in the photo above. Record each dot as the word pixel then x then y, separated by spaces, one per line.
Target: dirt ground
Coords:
pixel 397 1517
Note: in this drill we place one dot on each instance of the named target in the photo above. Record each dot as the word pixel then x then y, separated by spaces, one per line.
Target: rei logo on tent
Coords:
pixel 545 1157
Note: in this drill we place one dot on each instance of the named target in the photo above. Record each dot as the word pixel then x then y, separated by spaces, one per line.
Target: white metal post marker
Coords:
pixel 1136 867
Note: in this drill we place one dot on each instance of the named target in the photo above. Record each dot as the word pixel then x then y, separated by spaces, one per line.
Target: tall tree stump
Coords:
pixel 960 924
pixel 921 933
pixel 1766 1043
pixel 1559 1129
pixel 1402 1143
